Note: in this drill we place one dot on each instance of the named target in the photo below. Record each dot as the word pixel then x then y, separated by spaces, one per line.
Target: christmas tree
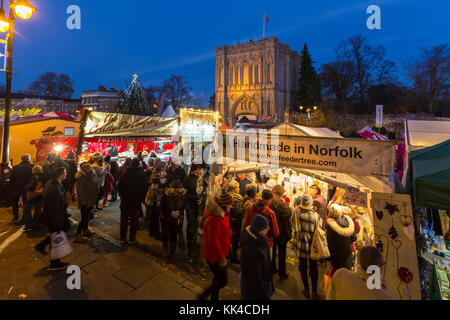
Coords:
pixel 134 99
pixel 309 85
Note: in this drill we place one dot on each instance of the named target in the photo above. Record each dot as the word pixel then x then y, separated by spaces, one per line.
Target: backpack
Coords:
pixel 319 245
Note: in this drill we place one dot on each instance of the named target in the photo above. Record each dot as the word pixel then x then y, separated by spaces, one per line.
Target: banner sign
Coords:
pixel 379 119
pixel 354 156
pixel 355 197
pixel 125 139
pixel 116 124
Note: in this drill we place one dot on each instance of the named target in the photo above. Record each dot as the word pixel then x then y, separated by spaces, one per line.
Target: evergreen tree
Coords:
pixel 309 92
pixel 134 99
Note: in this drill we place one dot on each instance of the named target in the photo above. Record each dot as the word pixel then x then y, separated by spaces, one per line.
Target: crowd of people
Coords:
pixel 241 219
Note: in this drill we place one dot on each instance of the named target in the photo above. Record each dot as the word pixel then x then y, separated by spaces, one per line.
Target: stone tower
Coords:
pixel 255 79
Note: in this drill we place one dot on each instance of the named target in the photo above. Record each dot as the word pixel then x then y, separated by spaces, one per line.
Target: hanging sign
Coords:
pixel 379 120
pixel 116 124
pixel 364 157
pixel 355 197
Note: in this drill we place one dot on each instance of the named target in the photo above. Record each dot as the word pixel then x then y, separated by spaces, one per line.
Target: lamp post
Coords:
pixel 308 111
pixel 22 9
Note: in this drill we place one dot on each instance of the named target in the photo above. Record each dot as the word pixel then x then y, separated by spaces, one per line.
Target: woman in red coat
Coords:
pixel 216 242
pixel 108 185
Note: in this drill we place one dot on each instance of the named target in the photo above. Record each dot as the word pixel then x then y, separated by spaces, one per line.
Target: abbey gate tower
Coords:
pixel 255 79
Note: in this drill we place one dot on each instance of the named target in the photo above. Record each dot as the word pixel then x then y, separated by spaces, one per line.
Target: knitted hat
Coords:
pixel 298 201
pixel 251 190
pixel 259 223
pixel 71 155
pixel 307 202
pixel 224 198
pixel 278 190
pixel 336 211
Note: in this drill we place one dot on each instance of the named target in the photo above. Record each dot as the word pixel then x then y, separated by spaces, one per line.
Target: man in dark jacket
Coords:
pixel 54 214
pixel 256 275
pixel 87 197
pixel 192 206
pixel 249 179
pixel 283 214
pixel 5 185
pixel 115 173
pixel 72 170
pixel 20 177
pixel 132 191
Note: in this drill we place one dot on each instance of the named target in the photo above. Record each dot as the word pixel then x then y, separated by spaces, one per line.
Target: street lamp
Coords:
pixel 22 9
pixel 308 110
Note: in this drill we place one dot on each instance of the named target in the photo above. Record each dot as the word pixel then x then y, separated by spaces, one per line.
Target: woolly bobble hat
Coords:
pixel 224 199
pixel 307 202
pixel 259 223
pixel 271 183
pixel 336 211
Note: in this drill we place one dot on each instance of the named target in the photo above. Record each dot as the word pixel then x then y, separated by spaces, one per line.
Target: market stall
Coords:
pixel 428 182
pixel 349 172
pixel 125 135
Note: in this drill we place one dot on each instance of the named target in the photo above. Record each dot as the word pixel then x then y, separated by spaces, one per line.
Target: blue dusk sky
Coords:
pixel 157 38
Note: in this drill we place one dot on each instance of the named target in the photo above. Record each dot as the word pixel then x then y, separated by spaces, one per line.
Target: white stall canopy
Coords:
pixel 425 133
pixel 290 129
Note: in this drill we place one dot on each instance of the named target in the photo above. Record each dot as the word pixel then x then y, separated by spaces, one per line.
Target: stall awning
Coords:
pixel 428 178
pixel 290 129
pixel 422 134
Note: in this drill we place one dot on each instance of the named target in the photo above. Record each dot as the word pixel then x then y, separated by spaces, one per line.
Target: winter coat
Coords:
pixel 320 204
pixel 121 172
pixel 190 184
pixel 256 273
pixel 109 180
pixel 283 214
pixel 173 200
pixel 73 167
pixel 114 169
pixel 348 285
pixel 100 173
pixel 216 233
pixel 54 207
pixel 243 186
pixel 48 167
pixel 248 202
pixel 35 183
pixel 132 188
pixel 86 189
pixel 307 222
pixel 21 176
pixel 339 239
pixel 236 212
pixel 155 192
pixel 261 207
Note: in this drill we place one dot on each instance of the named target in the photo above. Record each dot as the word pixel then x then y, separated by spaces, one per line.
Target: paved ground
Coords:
pixel 111 271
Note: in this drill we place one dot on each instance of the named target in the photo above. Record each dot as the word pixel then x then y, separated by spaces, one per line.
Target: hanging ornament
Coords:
pixel 392 208
pixel 409 232
pixel 405 275
pixel 393 233
pixel 379 214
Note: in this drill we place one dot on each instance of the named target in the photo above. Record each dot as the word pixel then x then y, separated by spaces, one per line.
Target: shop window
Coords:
pixel 69 131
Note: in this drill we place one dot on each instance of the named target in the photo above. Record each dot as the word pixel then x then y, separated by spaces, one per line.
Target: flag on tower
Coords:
pixel 265 17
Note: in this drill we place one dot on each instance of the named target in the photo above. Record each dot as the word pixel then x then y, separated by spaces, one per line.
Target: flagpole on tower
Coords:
pixel 264 25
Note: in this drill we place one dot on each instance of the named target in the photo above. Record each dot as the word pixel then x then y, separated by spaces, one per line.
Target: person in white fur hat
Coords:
pixel 340 228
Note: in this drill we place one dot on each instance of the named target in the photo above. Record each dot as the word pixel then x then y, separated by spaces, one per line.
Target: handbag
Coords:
pixel 319 245
pixel 327 280
pixel 31 195
pixel 59 245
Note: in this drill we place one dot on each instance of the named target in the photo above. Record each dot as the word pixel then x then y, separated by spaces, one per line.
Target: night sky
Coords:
pixel 157 38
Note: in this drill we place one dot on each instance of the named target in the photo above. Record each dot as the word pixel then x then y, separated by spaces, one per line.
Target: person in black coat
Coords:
pixel 172 214
pixel 175 172
pixel 54 214
pixel 34 200
pixel 340 228
pixel 5 185
pixel 20 177
pixel 256 273
pixel 132 191
pixel 192 206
